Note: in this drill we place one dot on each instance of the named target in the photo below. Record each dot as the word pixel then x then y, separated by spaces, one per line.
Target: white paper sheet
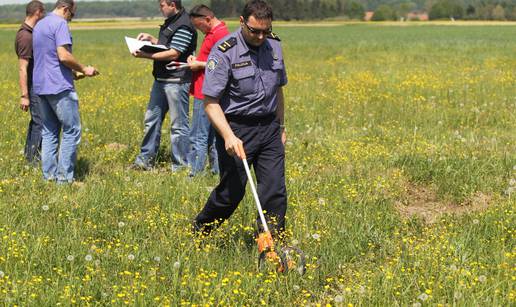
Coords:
pixel 134 45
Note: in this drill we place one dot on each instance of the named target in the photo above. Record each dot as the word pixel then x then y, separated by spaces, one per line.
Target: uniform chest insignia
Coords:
pixel 274 55
pixel 228 44
pixel 241 65
pixel 274 36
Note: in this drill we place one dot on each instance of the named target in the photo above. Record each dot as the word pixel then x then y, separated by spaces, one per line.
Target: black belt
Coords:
pixel 251 120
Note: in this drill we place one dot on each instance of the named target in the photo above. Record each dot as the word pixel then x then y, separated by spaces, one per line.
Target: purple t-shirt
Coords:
pixel 50 76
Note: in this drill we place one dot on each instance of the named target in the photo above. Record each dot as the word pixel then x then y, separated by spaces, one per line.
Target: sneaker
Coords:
pixel 140 165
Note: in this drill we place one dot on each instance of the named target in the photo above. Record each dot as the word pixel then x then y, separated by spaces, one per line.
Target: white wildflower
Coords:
pixel 157 259
pixel 70 258
pixel 45 207
pixel 131 257
pixel 423 297
pixel 121 224
pixel 88 257
pixel 316 236
pixel 482 278
pixel 177 265
pixel 361 290
pixel 338 299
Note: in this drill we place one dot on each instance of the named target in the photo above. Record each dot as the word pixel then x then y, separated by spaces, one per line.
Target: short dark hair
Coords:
pixel 176 2
pixel 257 8
pixel 33 7
pixel 65 3
pixel 201 10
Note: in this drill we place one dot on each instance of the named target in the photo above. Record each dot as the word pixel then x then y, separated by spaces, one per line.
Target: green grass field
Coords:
pixel 401 173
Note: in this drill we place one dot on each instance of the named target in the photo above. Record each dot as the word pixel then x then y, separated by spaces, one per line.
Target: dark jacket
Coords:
pixel 167 31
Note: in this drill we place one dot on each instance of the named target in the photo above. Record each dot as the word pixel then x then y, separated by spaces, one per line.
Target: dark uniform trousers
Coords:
pixel 266 153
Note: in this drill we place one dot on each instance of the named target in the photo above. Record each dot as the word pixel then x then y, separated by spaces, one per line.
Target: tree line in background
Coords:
pixel 304 9
pixel 381 9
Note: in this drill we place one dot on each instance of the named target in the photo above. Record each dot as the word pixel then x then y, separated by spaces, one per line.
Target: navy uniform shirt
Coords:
pixel 245 81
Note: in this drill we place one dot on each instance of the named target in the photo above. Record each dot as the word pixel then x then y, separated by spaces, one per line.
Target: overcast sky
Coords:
pixel 45 1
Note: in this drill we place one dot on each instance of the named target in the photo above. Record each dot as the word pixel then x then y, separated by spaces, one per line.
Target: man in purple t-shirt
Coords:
pixel 55 68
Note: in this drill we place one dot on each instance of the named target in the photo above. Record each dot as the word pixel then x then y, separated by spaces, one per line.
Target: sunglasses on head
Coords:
pixel 194 15
pixel 258 31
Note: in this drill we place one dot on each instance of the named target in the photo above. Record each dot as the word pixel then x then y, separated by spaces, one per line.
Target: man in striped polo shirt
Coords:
pixel 171 87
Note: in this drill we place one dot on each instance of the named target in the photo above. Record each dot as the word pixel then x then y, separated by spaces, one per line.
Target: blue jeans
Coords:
pixel 33 141
pixel 164 97
pixel 202 136
pixel 60 112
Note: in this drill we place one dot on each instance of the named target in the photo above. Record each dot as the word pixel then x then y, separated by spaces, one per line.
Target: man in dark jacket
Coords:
pixel 170 90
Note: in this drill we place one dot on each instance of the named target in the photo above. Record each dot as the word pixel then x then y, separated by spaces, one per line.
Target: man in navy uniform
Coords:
pixel 244 101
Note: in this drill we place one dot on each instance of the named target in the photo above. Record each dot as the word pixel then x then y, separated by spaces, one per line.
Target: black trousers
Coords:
pixel 266 153
pixel 33 140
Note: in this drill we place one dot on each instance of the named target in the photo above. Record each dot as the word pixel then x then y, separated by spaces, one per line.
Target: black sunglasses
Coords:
pixel 257 31
pixel 72 13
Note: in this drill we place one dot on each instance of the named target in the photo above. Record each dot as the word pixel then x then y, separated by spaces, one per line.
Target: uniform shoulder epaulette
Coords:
pixel 274 36
pixel 228 44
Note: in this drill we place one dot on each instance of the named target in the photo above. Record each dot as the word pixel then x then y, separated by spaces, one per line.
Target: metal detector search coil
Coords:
pixel 286 258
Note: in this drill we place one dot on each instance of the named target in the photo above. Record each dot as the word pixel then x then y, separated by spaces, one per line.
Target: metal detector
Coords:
pixel 284 259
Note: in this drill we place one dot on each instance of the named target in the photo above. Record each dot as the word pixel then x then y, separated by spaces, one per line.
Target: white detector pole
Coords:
pixel 256 199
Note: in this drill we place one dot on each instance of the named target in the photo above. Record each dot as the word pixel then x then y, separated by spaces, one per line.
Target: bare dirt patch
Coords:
pixel 116 146
pixel 422 202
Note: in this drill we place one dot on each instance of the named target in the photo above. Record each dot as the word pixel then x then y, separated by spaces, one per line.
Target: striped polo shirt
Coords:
pixel 181 40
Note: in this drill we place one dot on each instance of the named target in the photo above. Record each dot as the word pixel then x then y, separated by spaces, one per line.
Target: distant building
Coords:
pixel 412 16
pixel 417 16
pixel 368 15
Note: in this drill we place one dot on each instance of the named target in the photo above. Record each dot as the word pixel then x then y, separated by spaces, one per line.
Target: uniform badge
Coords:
pixel 212 63
pixel 274 55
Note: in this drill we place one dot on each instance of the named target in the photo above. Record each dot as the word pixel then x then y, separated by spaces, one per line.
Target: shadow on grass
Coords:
pixel 82 169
